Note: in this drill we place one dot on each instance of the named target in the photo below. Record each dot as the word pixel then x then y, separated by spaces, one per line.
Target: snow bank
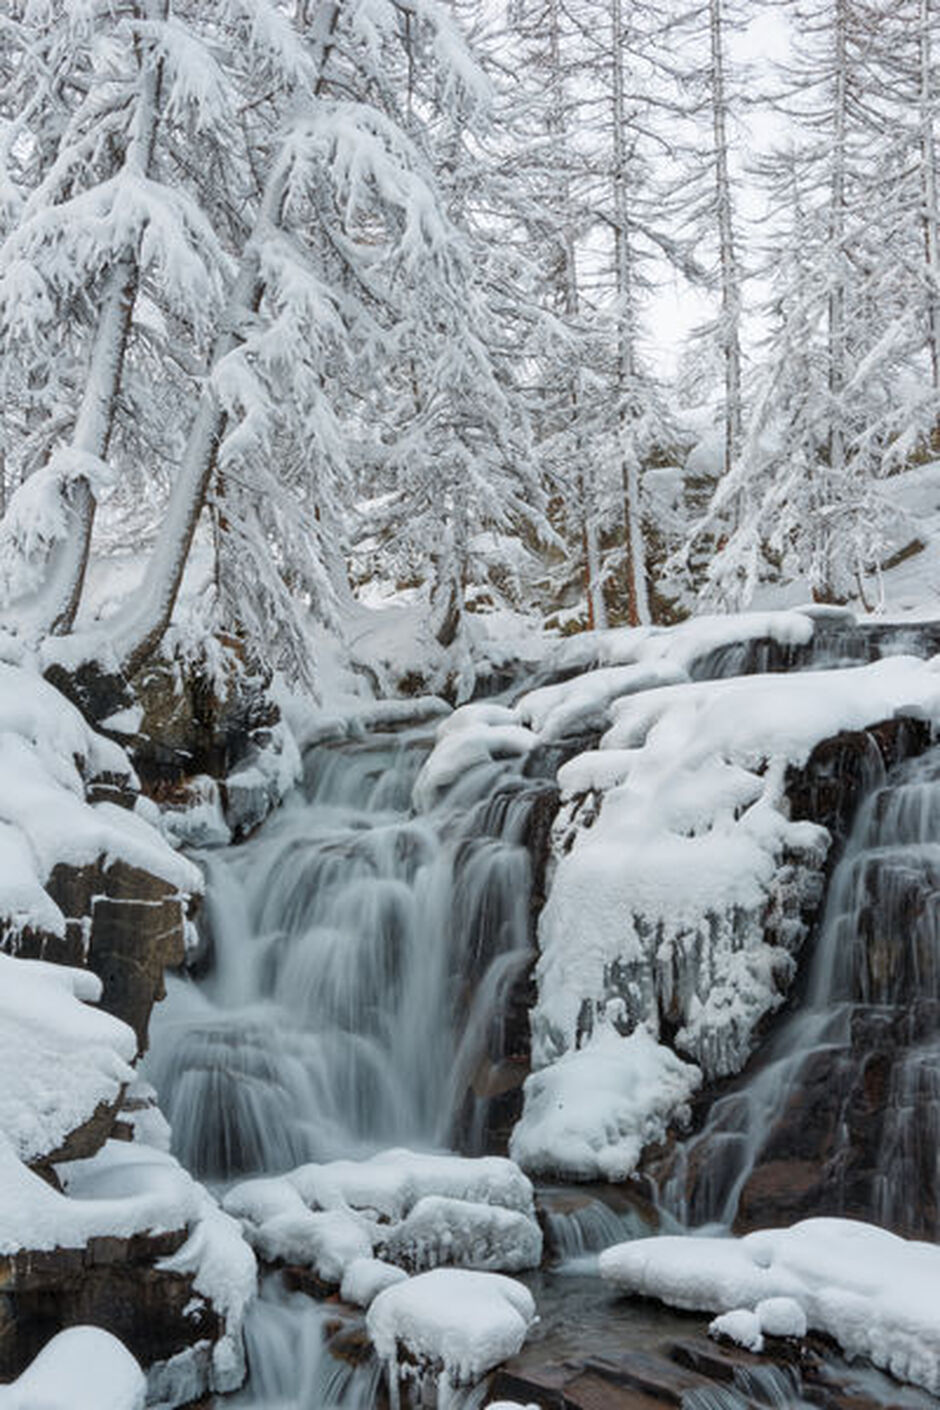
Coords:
pixel 465 1323
pixel 874 1293
pixel 48 756
pixel 589 1115
pixel 414 1209
pixel 59 1058
pixel 83 1368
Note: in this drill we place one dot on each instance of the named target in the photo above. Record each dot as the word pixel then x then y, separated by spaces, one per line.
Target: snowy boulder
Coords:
pixel 83 1368
pixel 439 1231
pixel 128 1217
pixel 326 1241
pixel 873 1292
pixel 416 1210
pixel 458 1323
pixel 590 1114
pixel 63 1063
pixel 781 1317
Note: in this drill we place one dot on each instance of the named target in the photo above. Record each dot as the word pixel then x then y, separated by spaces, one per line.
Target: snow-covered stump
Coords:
pixel 451 1324
pixel 872 1292
pixel 400 1209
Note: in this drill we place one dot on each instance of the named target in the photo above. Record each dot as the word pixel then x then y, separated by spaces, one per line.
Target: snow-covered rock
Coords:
pixel 123 1191
pixel 590 1114
pixel 451 1320
pixel 874 1293
pixel 83 1368
pixel 439 1231
pixel 677 881
pixel 49 757
pixel 414 1209
pixel 60 1058
pixel 740 1326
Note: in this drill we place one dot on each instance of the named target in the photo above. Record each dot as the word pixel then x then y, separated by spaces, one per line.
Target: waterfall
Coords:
pixel 360 959
pixel 875 971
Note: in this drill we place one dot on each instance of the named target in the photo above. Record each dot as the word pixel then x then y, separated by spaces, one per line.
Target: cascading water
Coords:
pixel 358 962
pixel 360 954
pixel 877 952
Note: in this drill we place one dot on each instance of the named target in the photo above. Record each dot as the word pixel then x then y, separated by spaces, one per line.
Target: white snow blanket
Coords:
pixel 413 1209
pixel 59 1057
pixel 48 755
pixel 677 881
pixel 462 1322
pixel 83 1368
pixel 874 1293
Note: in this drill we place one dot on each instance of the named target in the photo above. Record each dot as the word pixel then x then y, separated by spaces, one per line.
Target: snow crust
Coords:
pixel 462 1321
pixel 873 1292
pixel 83 1368
pixel 59 1058
pixel 410 1208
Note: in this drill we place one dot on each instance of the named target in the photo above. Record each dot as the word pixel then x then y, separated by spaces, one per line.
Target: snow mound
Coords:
pixel 415 1209
pixel 740 1326
pixel 365 1278
pixel 873 1292
pixel 60 1059
pixel 83 1368
pixel 461 1322
pixel 589 1115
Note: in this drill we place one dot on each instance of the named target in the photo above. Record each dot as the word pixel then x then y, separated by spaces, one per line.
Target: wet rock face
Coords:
pixel 857 1124
pixel 693 1374
pixel 125 925
pixel 859 1135
pixel 111 1283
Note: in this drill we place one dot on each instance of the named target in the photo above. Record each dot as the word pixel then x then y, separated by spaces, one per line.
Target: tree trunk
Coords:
pixel 61 593
pixel 730 281
pixel 634 548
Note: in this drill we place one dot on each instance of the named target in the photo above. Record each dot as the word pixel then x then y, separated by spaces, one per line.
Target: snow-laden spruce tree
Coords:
pixel 332 269
pixel 103 229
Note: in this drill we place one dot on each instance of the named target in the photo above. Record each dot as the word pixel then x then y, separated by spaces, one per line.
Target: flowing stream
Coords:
pixel 877 950
pixel 358 959
pixel 358 966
